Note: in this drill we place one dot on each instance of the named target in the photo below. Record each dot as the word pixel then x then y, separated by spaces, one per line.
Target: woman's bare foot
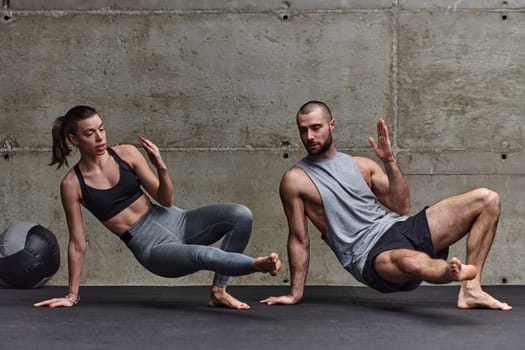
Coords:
pixel 461 272
pixel 219 297
pixel 476 298
pixel 270 264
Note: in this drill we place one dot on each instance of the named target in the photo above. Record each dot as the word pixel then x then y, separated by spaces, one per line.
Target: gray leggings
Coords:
pixel 172 242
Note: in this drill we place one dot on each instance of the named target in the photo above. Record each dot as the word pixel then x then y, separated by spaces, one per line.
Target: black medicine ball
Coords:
pixel 29 255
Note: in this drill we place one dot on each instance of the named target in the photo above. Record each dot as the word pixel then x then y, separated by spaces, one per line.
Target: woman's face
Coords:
pixel 90 136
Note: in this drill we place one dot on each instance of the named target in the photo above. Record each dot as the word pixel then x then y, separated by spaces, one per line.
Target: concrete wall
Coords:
pixel 216 85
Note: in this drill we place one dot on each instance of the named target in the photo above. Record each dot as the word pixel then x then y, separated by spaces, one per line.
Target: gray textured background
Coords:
pixel 216 85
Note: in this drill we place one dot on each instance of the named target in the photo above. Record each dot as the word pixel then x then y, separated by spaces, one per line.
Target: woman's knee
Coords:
pixel 242 213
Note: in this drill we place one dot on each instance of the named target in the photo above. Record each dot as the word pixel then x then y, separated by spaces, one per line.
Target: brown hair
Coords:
pixel 62 127
pixel 312 105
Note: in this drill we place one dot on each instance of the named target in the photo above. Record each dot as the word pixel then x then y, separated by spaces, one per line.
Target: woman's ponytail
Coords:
pixel 60 147
pixel 62 127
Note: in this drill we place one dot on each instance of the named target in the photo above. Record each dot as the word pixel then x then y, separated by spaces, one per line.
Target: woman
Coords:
pixel 166 240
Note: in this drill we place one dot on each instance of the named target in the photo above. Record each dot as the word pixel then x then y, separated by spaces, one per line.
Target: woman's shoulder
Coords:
pixel 70 183
pixel 70 176
pixel 128 153
pixel 124 148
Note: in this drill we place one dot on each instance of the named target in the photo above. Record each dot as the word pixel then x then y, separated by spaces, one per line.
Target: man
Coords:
pixel 384 249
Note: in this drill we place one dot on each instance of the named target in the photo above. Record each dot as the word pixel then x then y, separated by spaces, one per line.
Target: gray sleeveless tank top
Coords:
pixel 354 216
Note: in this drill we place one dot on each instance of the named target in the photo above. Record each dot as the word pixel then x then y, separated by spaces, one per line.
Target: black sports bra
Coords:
pixel 107 203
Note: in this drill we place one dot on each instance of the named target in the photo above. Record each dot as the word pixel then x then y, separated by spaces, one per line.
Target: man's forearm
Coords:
pixel 399 192
pixel 298 260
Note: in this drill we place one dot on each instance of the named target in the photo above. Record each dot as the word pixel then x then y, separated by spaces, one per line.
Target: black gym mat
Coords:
pixel 327 318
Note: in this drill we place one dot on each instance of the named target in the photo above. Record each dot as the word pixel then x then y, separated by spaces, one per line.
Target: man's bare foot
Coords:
pixel 219 297
pixel 476 298
pixel 461 272
pixel 270 264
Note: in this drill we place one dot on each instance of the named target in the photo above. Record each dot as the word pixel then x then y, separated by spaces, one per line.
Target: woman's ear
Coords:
pixel 73 139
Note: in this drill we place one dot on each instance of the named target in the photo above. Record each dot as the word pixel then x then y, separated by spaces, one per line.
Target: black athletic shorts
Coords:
pixel 412 233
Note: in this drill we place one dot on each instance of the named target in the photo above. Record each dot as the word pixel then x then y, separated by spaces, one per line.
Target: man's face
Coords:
pixel 315 130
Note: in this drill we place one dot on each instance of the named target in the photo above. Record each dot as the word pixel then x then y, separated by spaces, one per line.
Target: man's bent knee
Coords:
pixel 490 198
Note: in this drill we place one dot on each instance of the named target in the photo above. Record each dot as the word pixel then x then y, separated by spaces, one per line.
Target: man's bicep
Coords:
pixel 380 186
pixel 377 180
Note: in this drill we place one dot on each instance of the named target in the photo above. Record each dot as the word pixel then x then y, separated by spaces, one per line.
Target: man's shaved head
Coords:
pixel 313 105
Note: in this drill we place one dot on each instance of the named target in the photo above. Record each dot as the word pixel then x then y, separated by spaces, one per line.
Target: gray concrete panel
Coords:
pixel 194 81
pixel 462 162
pixel 267 5
pixel 225 5
pixel 461 78
pixel 453 5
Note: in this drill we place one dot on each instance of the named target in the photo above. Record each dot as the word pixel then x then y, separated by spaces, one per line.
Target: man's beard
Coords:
pixel 324 147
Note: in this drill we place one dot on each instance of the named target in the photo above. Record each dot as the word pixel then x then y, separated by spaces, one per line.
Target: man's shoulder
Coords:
pixel 294 172
pixel 294 183
pixel 294 177
pixel 361 161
